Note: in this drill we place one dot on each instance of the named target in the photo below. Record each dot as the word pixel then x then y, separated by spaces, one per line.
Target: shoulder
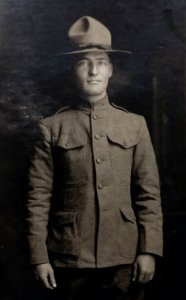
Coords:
pixel 119 107
pixel 63 109
pixel 54 118
pixel 131 123
pixel 133 126
pixel 124 114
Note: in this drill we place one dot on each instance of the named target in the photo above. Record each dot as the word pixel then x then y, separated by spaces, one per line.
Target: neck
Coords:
pixel 93 99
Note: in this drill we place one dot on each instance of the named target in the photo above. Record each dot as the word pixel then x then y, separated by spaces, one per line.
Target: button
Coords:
pixel 66 144
pixel 97 136
pixel 99 160
pixel 100 186
pixel 94 117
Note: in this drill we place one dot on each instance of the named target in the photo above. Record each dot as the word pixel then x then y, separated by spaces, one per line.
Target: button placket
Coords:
pixel 102 168
pixel 101 153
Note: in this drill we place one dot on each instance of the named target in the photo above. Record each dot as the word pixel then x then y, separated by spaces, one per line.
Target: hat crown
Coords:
pixel 88 31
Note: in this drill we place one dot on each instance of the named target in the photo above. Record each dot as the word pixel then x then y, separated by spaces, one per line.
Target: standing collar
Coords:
pixel 88 106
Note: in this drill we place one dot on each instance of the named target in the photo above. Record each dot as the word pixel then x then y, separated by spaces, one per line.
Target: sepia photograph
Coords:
pixel 92 149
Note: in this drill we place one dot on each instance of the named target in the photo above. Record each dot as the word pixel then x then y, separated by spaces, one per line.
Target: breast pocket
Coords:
pixel 70 160
pixel 121 152
pixel 63 235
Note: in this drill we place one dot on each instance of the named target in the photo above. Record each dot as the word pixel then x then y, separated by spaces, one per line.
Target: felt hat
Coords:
pixel 88 34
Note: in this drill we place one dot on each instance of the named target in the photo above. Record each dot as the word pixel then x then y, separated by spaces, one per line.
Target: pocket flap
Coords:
pixel 122 140
pixel 128 214
pixel 72 141
pixel 64 218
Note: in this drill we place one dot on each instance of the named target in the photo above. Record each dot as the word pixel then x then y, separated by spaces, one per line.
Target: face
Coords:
pixel 92 72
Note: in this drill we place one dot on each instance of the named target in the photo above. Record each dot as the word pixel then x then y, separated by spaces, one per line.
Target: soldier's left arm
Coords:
pixel 147 205
pixel 146 194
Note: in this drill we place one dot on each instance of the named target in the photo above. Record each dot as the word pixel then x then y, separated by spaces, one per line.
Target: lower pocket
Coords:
pixel 128 237
pixel 63 237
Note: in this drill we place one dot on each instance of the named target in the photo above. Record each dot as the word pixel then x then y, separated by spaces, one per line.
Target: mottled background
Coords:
pixel 33 84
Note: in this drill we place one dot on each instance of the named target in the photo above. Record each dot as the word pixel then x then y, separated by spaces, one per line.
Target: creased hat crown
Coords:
pixel 87 31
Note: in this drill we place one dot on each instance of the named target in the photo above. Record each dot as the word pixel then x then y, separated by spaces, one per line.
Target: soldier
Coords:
pixel 94 212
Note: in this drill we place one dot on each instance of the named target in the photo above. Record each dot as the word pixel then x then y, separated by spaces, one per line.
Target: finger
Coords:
pixel 141 277
pixel 149 277
pixel 134 272
pixel 46 282
pixel 52 279
pixel 145 277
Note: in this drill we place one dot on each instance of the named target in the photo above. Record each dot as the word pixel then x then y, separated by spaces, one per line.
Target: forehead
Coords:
pixel 93 55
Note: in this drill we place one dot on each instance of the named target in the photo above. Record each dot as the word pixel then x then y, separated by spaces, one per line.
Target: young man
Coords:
pixel 87 234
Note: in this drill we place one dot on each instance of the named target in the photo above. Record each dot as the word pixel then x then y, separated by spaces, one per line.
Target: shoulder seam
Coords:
pixel 62 109
pixel 119 107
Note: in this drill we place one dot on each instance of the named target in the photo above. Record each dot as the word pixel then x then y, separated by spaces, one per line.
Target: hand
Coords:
pixel 144 268
pixel 45 273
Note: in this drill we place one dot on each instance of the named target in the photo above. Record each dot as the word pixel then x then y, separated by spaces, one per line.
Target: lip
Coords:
pixel 93 81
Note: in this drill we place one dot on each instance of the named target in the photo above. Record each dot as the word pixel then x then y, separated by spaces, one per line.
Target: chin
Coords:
pixel 94 92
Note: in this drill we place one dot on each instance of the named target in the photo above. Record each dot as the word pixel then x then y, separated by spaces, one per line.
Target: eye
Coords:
pixel 81 63
pixel 102 62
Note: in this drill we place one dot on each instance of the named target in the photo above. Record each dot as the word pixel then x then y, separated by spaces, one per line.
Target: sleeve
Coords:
pixel 40 186
pixel 146 195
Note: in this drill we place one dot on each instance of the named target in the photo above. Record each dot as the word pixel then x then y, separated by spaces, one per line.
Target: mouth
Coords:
pixel 94 81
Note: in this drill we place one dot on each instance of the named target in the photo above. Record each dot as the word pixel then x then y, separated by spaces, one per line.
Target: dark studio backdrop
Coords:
pixel 34 84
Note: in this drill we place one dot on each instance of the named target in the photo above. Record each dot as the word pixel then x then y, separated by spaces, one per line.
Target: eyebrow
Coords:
pixel 97 58
pixel 103 58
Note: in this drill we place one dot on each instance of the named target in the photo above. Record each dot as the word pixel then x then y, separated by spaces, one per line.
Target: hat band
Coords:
pixel 88 46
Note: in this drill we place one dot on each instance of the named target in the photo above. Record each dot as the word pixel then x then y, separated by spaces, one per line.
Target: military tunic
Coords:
pixel 94 197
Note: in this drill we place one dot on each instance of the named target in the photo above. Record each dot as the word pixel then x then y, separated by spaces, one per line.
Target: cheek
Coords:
pixel 107 74
pixel 79 79
pixel 106 79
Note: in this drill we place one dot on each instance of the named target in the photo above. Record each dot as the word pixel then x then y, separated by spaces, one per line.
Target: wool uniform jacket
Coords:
pixel 94 197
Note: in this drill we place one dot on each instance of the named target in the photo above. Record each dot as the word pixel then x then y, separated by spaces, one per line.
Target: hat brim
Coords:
pixel 93 50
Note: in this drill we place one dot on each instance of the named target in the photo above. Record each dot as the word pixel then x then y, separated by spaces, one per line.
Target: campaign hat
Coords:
pixel 88 34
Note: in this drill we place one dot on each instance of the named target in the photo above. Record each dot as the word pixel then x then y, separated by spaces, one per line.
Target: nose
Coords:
pixel 93 69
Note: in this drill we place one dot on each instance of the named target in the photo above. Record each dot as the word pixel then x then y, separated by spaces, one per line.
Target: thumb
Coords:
pixel 51 278
pixel 134 272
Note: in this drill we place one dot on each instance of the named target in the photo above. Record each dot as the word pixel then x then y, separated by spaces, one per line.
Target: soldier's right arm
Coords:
pixel 39 196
